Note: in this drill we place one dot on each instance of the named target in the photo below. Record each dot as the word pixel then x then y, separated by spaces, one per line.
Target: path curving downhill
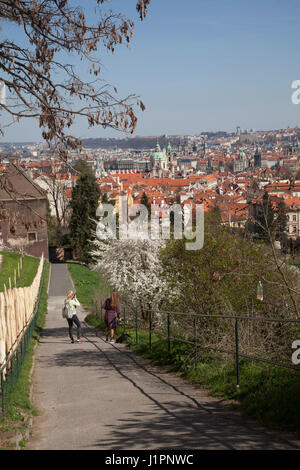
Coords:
pixel 100 396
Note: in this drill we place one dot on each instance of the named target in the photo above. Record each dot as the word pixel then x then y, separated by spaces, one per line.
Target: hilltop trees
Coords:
pixel 221 279
pixel 39 71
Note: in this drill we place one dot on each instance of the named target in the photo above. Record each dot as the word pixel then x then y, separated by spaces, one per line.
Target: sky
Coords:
pixel 199 65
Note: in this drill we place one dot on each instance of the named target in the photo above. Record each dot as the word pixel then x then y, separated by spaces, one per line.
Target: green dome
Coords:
pixel 158 154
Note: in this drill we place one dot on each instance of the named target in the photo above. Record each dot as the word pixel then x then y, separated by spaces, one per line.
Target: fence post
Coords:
pixel 21 349
pixel 136 327
pixel 195 340
pixel 169 342
pixel 3 392
pixel 237 354
pixel 150 331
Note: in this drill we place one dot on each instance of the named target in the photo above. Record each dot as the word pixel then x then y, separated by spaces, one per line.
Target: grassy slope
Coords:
pixel 90 286
pixel 19 407
pixel 267 393
pixel 10 263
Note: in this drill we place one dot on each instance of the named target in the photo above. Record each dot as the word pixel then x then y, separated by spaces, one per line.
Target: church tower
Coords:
pixel 159 162
pixel 257 158
pixel 171 159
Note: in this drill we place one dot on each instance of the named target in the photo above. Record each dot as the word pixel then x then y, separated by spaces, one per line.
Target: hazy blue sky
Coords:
pixel 203 65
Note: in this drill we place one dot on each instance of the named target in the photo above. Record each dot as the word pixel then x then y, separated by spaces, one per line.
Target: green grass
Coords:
pixel 294 262
pixel 10 264
pixel 90 286
pixel 30 266
pixel 267 393
pixel 94 320
pixel 19 408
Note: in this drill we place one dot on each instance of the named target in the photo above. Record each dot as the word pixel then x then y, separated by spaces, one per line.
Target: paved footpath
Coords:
pixel 96 395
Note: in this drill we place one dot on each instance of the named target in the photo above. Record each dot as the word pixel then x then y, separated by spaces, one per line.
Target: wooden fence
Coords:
pixel 16 310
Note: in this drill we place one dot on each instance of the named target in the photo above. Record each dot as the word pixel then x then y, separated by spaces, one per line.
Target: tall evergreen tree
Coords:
pixel 145 201
pixel 216 214
pixel 281 223
pixel 104 199
pixel 271 224
pixel 265 226
pixel 84 203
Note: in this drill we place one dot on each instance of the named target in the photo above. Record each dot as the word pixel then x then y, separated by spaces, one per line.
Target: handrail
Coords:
pixel 133 323
pixel 233 317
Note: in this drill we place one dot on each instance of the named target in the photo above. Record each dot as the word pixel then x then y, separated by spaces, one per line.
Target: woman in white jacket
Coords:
pixel 73 303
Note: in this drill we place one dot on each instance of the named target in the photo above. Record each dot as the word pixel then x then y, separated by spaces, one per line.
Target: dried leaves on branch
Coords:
pixel 39 72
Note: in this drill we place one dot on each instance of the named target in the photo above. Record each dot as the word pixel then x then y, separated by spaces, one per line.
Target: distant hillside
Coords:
pixel 139 142
pixel 131 143
pixel 143 142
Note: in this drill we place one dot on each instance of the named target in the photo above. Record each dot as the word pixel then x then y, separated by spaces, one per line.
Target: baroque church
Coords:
pixel 163 163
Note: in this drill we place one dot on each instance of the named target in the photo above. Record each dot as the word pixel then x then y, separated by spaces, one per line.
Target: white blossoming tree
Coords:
pixel 133 268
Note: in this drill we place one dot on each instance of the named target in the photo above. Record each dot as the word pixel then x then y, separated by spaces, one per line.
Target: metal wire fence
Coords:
pixel 169 328
pixel 10 370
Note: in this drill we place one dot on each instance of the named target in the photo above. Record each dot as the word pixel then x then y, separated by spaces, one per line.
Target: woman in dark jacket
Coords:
pixel 112 315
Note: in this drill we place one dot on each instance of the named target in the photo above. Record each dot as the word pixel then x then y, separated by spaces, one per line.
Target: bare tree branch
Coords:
pixel 42 85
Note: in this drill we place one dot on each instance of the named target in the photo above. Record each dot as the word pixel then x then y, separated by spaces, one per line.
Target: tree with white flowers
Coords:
pixel 133 268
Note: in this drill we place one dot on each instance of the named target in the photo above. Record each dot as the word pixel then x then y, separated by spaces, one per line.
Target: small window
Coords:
pixel 294 218
pixel 32 237
pixel 294 229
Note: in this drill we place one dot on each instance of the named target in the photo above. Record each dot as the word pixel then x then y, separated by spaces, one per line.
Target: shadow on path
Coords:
pixel 173 423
